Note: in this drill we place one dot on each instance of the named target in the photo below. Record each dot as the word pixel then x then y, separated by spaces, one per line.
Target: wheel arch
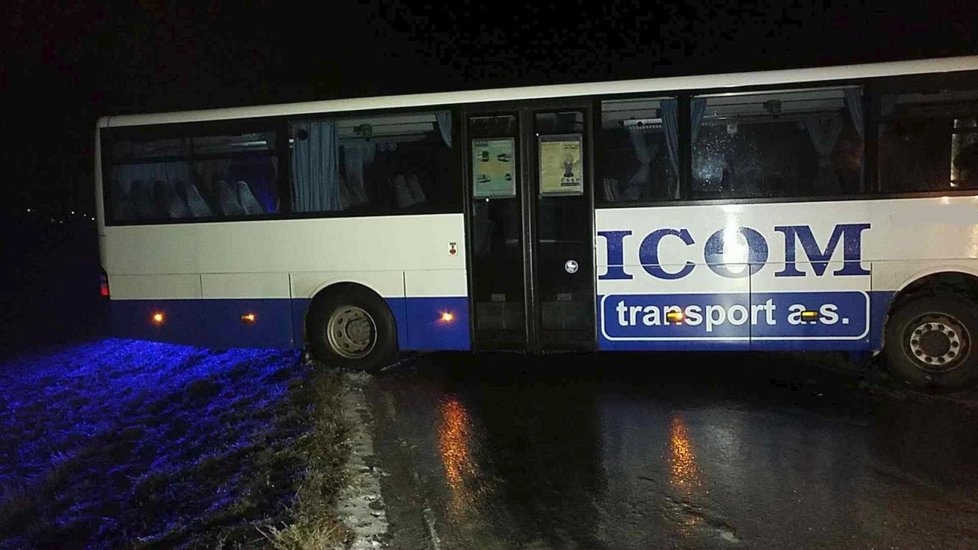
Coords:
pixel 334 288
pixel 957 279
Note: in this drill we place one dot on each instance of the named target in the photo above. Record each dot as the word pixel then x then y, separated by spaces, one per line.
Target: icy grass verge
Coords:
pixel 312 521
pixel 124 443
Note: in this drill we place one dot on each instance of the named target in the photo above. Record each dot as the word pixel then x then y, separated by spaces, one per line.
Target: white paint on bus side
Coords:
pixel 287 258
pixel 902 239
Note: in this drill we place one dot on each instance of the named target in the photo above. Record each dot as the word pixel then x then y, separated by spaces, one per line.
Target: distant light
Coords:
pixel 158 318
pixel 447 316
pixel 249 318
pixel 72 212
pixel 28 210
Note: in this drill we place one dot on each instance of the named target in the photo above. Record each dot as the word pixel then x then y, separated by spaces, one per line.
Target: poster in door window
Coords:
pixel 494 168
pixel 561 165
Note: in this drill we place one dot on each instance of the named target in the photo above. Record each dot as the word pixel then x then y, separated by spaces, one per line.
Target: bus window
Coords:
pixel 638 148
pixel 800 143
pixel 184 178
pixel 385 164
pixel 928 141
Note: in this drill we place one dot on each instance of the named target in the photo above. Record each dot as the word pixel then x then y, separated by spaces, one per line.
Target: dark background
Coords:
pixel 67 64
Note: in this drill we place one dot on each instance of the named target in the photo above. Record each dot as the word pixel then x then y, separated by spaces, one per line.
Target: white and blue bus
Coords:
pixel 813 209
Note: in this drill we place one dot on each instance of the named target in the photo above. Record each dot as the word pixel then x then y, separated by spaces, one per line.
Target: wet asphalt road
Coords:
pixel 667 451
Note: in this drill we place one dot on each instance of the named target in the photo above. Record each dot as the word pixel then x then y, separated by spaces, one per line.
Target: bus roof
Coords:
pixel 651 85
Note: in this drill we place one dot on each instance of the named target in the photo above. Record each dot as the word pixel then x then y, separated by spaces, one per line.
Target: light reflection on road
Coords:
pixel 454 446
pixel 684 473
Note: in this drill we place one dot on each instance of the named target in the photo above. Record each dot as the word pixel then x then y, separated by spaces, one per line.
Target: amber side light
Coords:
pixel 674 317
pixel 249 318
pixel 158 318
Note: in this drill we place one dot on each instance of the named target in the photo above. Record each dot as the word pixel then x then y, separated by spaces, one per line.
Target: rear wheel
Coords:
pixel 930 341
pixel 353 328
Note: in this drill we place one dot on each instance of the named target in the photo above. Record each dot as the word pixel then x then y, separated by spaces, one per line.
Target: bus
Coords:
pixel 831 208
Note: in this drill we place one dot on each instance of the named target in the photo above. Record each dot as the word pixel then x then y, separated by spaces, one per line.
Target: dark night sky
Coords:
pixel 65 66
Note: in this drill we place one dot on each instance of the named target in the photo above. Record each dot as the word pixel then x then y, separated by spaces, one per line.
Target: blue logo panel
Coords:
pixel 735 316
pixel 647 316
pixel 837 315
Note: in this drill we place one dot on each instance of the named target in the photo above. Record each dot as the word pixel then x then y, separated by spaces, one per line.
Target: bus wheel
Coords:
pixel 352 328
pixel 930 341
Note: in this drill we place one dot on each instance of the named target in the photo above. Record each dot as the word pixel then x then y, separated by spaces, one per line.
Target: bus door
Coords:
pixel 530 227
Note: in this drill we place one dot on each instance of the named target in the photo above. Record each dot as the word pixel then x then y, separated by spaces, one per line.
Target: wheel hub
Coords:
pixel 351 332
pixel 937 343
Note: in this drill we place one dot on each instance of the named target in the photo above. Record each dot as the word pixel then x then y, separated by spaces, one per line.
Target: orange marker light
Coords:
pixel 249 318
pixel 674 316
pixel 158 318
pixel 447 316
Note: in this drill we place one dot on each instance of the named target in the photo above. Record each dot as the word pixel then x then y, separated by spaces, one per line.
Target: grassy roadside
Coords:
pixel 120 443
pixel 312 522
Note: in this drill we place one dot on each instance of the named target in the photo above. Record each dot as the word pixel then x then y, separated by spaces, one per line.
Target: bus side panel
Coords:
pixel 292 260
pixel 437 310
pixel 840 261
pixel 257 323
pixel 843 304
pixel 218 310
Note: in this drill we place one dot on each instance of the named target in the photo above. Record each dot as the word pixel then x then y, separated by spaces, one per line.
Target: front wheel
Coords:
pixel 930 341
pixel 352 328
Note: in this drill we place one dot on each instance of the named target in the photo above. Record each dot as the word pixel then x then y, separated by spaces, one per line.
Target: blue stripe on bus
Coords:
pixel 211 323
pixel 281 322
pixel 428 326
pixel 420 325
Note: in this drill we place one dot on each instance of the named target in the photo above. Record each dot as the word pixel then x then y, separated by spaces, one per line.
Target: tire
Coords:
pixel 352 328
pixel 930 341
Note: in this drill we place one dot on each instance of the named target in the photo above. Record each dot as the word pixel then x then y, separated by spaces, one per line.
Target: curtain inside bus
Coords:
pixel 444 119
pixel 670 122
pixel 315 167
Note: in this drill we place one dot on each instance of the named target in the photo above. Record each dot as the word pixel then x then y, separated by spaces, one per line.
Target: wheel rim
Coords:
pixel 351 332
pixel 937 342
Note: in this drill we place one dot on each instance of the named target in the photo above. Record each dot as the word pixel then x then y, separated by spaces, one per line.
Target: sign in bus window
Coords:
pixel 561 165
pixel 494 168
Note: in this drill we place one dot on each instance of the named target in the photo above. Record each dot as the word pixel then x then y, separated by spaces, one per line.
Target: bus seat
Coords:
pixel 247 199
pixel 610 189
pixel 227 199
pixel 169 201
pixel 347 196
pixel 195 202
pixel 402 191
pixel 142 198
pixel 417 193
